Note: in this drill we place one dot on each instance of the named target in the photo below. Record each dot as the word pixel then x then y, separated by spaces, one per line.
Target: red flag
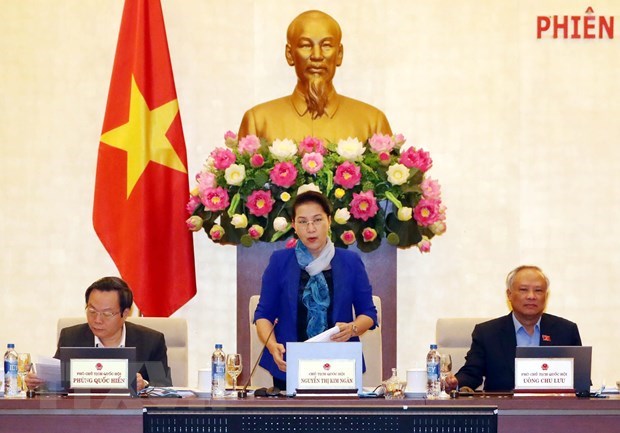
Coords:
pixel 142 186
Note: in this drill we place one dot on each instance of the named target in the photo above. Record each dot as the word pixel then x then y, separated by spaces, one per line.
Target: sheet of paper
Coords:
pixel 48 369
pixel 325 336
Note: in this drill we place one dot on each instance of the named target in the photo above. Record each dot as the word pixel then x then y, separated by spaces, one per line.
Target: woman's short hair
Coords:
pixel 312 197
pixel 113 284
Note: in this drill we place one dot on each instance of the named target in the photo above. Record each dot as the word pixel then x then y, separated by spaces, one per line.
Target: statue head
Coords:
pixel 314 48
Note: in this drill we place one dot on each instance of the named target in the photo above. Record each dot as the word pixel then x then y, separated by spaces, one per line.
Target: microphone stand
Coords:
pixel 244 393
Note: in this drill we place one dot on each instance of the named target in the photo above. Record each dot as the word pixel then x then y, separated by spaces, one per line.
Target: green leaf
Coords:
pixel 367 247
pixel 407 231
pixel 393 199
pixel 278 235
pixel 232 209
pixel 393 239
pixel 232 235
pixel 261 178
pixel 247 241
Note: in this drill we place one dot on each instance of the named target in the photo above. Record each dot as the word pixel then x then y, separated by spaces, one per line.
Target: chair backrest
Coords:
pixel 175 331
pixel 371 348
pixel 453 336
pixel 261 376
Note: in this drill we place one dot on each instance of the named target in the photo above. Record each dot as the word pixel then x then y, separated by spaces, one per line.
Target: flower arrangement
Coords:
pixel 378 189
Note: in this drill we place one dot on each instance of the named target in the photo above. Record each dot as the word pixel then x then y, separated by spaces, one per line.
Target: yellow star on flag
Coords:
pixel 143 137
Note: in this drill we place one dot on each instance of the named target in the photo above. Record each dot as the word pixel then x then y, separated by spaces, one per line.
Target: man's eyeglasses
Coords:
pixel 306 223
pixel 91 312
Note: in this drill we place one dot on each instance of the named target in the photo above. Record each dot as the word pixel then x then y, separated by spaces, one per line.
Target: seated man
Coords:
pixel 493 348
pixel 108 302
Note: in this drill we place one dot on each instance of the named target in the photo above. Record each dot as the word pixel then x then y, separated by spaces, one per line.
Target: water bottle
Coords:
pixel 11 388
pixel 218 372
pixel 433 379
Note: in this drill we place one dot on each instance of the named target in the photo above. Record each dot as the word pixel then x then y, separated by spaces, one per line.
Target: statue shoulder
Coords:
pixel 366 116
pixel 259 120
pixel 356 104
pixel 269 106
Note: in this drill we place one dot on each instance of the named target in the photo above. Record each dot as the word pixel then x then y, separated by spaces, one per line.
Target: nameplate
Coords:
pixel 99 373
pixel 544 374
pixel 326 374
pixel 320 363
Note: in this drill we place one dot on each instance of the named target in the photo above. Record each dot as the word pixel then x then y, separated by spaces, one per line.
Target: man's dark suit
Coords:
pixel 493 350
pixel 151 351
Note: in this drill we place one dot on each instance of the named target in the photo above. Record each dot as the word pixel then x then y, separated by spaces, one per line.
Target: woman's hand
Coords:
pixel 347 330
pixel 361 324
pixel 264 328
pixel 277 352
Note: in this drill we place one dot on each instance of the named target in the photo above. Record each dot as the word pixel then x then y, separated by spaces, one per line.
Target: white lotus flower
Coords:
pixel 342 215
pixel 397 174
pixel 283 149
pixel 234 174
pixel 350 149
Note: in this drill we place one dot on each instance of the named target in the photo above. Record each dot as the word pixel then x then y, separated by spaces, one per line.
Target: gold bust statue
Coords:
pixel 314 48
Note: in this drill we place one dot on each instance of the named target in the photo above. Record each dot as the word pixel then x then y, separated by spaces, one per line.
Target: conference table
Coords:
pixel 477 414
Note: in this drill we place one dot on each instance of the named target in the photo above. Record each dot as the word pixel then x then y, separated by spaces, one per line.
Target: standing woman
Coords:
pixel 311 288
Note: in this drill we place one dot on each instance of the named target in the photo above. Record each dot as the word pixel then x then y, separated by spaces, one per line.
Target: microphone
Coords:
pixel 270 391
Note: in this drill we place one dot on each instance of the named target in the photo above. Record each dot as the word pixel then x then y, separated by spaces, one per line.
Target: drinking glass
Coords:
pixel 445 368
pixel 233 368
pixel 24 364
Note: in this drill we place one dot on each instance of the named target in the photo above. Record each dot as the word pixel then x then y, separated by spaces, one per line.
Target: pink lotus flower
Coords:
pixel 192 204
pixel 249 144
pixel 341 170
pixel 260 202
pixel 312 162
pixel 427 211
pixel 348 175
pixel 215 199
pixel 283 174
pixel 424 245
pixel 364 205
pixel 384 158
pixel 194 223
pixel 205 180
pixel 230 139
pixel 216 232
pixel 369 234
pixel 312 144
pixel 438 227
pixel 222 158
pixel 419 159
pixel 256 231
pixel 257 160
pixel 381 143
pixel 399 140
pixel 348 237
pixel 442 212
pixel 430 188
